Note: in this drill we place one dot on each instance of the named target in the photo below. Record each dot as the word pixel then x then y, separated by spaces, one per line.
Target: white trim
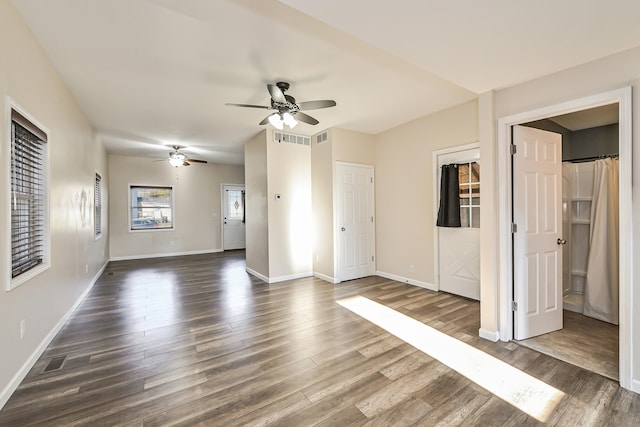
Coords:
pixel 489 335
pixel 31 361
pixel 425 285
pixel 436 200
pixel 173 208
pixel 336 234
pixel 98 236
pixel 326 278
pixel 635 386
pixel 258 275
pixel 12 283
pixel 167 254
pixel 289 277
pixel 505 264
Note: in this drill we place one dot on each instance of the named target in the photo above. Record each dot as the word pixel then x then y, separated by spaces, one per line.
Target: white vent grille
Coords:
pixel 323 137
pixel 291 138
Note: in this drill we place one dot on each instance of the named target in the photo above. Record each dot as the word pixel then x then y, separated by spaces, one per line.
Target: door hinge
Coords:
pixel 371 219
pixel 513 149
pixel 514 227
pixel 372 259
pixel 372 180
pixel 514 306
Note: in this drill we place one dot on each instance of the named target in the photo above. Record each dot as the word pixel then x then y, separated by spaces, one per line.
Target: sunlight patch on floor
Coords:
pixel 529 394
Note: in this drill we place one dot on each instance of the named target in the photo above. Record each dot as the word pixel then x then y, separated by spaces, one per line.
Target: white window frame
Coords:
pixel 173 208
pixel 97 208
pixel 14 282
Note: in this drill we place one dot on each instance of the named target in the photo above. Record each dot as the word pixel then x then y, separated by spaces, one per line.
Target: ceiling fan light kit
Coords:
pixel 287 108
pixel 177 159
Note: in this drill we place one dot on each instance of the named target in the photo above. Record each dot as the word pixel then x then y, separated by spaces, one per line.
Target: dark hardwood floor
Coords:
pixel 196 341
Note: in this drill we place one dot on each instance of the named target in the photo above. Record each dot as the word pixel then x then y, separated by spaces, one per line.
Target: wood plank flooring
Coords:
pixel 196 341
pixel 583 341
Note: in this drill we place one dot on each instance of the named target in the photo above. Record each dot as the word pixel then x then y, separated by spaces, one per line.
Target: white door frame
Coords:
pixel 222 194
pixel 436 202
pixel 336 231
pixel 505 263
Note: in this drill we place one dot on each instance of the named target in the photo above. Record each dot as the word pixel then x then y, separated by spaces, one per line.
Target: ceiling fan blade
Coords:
pixel 185 163
pixel 265 121
pixel 305 118
pixel 276 94
pixel 159 160
pixel 228 104
pixel 195 161
pixel 315 105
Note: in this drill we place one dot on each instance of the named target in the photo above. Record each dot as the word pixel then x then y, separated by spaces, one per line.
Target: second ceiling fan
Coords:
pixel 288 112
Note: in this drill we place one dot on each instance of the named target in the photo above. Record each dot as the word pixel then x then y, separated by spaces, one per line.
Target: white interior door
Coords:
pixel 537 212
pixel 356 229
pixel 233 227
pixel 459 248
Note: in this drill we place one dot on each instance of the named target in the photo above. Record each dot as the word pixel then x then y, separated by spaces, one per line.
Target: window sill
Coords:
pixel 25 277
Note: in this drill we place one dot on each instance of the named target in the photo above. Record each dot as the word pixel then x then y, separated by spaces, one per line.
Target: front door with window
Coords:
pixel 459 248
pixel 233 229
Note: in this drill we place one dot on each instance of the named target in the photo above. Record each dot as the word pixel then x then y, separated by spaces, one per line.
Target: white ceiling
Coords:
pixel 153 73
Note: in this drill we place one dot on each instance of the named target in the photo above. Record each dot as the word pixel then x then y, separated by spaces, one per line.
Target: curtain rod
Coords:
pixel 587 159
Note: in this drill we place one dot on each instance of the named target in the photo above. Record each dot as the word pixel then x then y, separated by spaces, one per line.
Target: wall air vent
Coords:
pixel 322 137
pixel 291 138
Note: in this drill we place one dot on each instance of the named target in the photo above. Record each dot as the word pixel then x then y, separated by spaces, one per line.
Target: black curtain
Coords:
pixel 244 208
pixel 449 211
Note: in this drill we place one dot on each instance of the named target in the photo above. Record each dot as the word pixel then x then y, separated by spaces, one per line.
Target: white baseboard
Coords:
pixel 258 275
pixel 414 282
pixel 28 364
pixel 493 336
pixel 130 257
pixel 326 278
pixel 278 278
pixel 635 386
pixel 289 277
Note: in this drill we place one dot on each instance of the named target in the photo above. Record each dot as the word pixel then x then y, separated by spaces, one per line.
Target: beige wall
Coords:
pixel 75 155
pixel 322 208
pixel 257 231
pixel 197 210
pixel 404 188
pixel 290 232
pixel 600 76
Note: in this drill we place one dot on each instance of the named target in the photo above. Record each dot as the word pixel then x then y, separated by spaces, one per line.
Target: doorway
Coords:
pixel 457 249
pixel 355 234
pixel 622 98
pixel 585 226
pixel 233 217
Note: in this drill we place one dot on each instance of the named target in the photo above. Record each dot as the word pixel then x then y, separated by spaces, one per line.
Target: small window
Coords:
pixel 98 206
pixel 151 208
pixel 235 203
pixel 29 197
pixel 469 180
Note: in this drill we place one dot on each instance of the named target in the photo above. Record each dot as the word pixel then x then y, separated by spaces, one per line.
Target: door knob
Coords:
pixel 343 229
pixel 562 241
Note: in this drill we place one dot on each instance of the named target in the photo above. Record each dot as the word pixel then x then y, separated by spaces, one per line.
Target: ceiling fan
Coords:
pixel 288 111
pixel 177 159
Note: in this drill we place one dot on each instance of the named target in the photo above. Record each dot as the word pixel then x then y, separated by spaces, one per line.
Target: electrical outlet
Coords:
pixel 86 268
pixel 23 328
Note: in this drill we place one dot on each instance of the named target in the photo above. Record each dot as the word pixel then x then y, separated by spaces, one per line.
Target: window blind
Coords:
pixel 28 196
pixel 98 206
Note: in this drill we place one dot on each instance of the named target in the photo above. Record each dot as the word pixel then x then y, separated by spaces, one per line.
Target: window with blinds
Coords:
pixel 98 206
pixel 151 208
pixel 29 225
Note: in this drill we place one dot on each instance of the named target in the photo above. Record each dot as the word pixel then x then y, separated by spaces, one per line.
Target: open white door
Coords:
pixel 233 227
pixel 537 213
pixel 356 229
